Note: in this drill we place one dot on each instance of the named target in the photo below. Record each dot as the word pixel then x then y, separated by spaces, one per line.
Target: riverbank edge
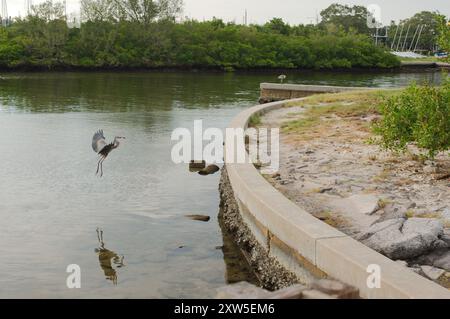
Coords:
pixel 403 67
pixel 292 234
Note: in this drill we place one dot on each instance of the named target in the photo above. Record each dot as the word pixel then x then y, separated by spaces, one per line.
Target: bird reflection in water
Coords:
pixel 110 262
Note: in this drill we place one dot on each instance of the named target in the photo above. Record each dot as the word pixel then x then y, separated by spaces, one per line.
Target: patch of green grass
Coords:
pixel 382 203
pixel 410 213
pixel 425 59
pixel 254 120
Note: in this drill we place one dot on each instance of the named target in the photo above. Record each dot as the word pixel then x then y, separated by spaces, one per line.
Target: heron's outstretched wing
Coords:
pixel 98 141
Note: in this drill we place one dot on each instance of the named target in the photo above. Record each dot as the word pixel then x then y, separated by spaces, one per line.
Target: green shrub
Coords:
pixel 420 115
pixel 254 120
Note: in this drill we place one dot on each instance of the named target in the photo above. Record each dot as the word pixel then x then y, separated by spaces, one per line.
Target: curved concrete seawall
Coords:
pixel 299 241
pixel 271 92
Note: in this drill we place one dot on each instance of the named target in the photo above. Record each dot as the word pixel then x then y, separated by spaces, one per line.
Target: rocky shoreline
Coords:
pixel 276 281
pixel 398 205
pixel 271 274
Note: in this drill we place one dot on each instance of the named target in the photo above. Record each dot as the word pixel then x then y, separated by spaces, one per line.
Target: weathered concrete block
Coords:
pixel 293 292
pixel 336 289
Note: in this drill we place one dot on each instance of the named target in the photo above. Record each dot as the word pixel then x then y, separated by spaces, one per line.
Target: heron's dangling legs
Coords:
pixel 102 158
pixel 98 166
pixel 101 168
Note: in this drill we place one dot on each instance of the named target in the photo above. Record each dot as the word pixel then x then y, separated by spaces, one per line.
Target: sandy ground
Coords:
pixel 336 175
pixel 337 169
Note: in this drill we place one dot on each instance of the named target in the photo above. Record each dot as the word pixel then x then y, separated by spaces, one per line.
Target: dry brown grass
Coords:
pixel 331 219
pixel 335 115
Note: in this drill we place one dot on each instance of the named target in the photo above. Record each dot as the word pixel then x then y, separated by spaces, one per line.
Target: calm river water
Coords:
pixel 51 202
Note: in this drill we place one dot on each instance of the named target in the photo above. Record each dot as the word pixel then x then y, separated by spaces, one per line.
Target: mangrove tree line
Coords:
pixel 146 34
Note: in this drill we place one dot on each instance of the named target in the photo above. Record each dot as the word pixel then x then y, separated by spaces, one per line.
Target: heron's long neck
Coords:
pixel 116 143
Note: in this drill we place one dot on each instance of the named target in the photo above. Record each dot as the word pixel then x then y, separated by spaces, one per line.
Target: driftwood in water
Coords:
pixel 200 218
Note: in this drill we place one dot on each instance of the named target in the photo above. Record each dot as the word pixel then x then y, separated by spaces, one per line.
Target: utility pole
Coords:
pixel 379 36
pixel 4 15
pixel 28 5
pixel 65 8
pixel 245 18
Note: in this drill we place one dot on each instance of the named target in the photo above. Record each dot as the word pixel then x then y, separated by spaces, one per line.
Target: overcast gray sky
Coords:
pixel 292 11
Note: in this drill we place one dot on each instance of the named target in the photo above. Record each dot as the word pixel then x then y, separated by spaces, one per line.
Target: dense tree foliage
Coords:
pixel 346 17
pixel 444 35
pixel 144 34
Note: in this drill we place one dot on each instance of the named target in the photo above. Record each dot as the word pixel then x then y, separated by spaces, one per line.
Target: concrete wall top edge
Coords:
pixel 311 88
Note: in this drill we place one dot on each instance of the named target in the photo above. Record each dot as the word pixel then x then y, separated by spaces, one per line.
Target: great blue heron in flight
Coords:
pixel 103 149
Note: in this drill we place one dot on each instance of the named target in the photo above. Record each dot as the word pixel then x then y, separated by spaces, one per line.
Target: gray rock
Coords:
pixel 385 226
pixel 316 294
pixel 392 211
pixel 242 290
pixel 363 203
pixel 336 288
pixel 209 170
pixel 404 239
pixel 402 263
pixel 324 162
pixel 446 215
pixel 430 169
pixel 446 237
pixel 443 261
pixel 438 258
pixel 432 272
pixel 416 269
pixel 325 189
pixel 428 228
pixel 292 292
pixel 411 205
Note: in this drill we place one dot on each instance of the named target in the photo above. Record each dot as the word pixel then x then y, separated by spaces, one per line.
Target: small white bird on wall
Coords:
pixel 103 149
